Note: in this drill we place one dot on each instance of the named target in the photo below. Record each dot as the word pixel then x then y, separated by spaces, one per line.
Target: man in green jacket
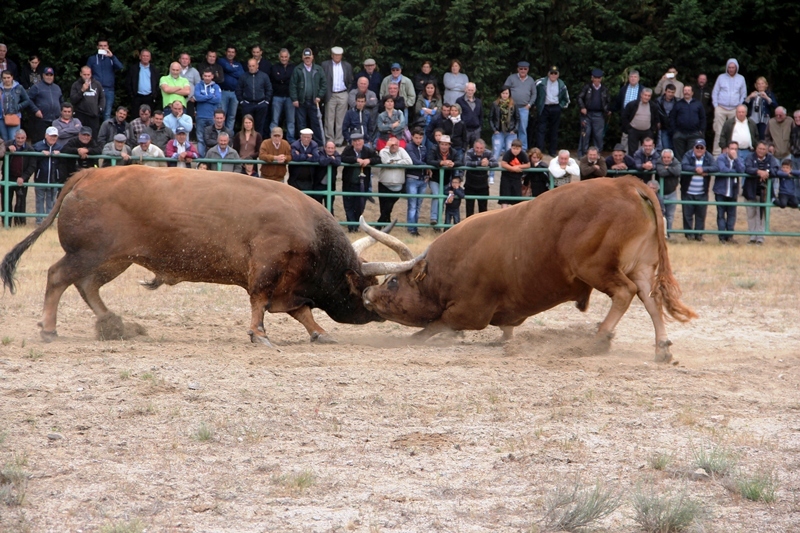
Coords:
pixel 307 87
pixel 551 97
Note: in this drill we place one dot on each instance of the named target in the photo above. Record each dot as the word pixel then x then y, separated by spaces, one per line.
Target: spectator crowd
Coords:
pixel 324 114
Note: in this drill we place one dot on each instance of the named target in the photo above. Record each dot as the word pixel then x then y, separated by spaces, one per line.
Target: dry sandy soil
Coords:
pixel 192 428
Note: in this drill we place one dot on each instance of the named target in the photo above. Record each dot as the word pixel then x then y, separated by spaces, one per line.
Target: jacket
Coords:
pixel 279 77
pixel 664 114
pixel 172 152
pixel 688 117
pixel 619 101
pixel 216 68
pixel 764 110
pixel 347 76
pixel 418 155
pixel 18 167
pixel 457 132
pixel 630 111
pixel 585 96
pixel 349 157
pixel 541 94
pixel 423 120
pixel 641 158
pixel 375 80
pixel 160 137
pixel 729 91
pixel 494 119
pixel 472 118
pixel 385 121
pixel 753 185
pixel 214 153
pixel 588 171
pixel 435 158
pixel 110 127
pixel 727 131
pixel 267 152
pixel 406 89
pixel 688 165
pixel 47 98
pixel 394 178
pixel 478 179
pixel 71 166
pixel 356 121
pixel 110 149
pixel 45 169
pixel 297 85
pixel 728 185
pixel 254 88
pixel 15 99
pixel 90 102
pixel 207 99
pixel 132 81
pixel 302 176
pixel 67 130
pixel 103 69
pixel 232 72
pixel 670 173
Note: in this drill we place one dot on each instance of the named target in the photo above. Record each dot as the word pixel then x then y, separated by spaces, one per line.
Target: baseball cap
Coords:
pixel 553 70
pixel 120 137
pixel 86 130
pixel 143 138
pixel 307 52
pixel 49 70
pixel 396 65
pixel 180 129
pixel 52 130
pixel 700 142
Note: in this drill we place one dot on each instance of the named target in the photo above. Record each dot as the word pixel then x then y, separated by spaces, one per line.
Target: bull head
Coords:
pixel 379 268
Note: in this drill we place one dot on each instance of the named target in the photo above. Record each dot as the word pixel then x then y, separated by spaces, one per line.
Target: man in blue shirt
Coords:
pixel 104 64
pixel 142 83
pixel 233 71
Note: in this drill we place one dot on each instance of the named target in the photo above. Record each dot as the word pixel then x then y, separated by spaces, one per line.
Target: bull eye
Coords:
pixel 392 282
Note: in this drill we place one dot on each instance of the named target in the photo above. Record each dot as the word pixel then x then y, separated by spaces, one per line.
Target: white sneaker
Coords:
pixel 491 181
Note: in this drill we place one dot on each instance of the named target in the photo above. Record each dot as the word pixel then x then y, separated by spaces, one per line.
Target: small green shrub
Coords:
pixel 660 513
pixel 575 507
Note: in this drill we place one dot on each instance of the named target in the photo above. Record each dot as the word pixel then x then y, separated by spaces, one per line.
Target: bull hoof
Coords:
pixel 322 338
pixel 663 354
pixel 110 328
pixel 48 336
pixel 255 339
pixel 602 343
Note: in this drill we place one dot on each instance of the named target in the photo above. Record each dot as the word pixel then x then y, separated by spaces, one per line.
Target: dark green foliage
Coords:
pixel 489 37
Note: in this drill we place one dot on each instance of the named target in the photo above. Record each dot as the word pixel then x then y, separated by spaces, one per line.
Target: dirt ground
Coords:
pixel 192 428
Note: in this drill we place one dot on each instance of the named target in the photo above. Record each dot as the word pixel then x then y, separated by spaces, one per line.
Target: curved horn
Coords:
pixel 394 243
pixel 383 268
pixel 365 242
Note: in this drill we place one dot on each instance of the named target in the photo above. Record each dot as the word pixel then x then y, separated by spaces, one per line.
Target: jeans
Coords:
pixel 229 104
pixel 726 216
pixel 434 184
pixel 522 130
pixel 201 134
pixel 259 112
pixel 306 117
pixel 414 186
pixel 109 109
pixel 45 199
pixel 664 140
pixel 282 105
pixel 670 209
pixel 7 133
pixel 593 125
pixel 501 142
pixel 684 141
pixel 452 216
pixel 694 216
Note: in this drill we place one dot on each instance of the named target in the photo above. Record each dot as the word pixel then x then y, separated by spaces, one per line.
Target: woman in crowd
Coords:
pixel 247 143
pixel 391 123
pixel 13 99
pixel 31 72
pixel 503 119
pixel 427 106
pixel 538 182
pixel 455 83
pixel 761 105
pixel 424 77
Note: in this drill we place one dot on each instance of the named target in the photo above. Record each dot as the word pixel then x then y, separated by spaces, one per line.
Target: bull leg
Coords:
pixel 508 333
pixel 60 275
pixel 621 290
pixel 663 343
pixel 109 325
pixel 434 328
pixel 258 305
pixel 304 315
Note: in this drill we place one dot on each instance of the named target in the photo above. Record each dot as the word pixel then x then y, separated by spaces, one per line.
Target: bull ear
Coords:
pixel 355 281
pixel 419 271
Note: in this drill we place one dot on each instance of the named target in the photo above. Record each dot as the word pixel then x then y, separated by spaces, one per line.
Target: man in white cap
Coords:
pixel 147 149
pixel 339 76
pixel 46 170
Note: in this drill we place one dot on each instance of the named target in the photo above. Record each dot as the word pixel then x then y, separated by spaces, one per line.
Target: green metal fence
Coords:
pixel 330 193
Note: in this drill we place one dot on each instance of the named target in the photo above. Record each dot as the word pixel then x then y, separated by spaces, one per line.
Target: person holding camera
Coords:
pixel 669 77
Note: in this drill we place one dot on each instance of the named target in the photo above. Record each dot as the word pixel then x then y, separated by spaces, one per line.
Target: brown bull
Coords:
pixel 283 248
pixel 501 267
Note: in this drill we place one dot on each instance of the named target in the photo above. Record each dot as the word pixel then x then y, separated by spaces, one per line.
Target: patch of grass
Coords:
pixel 124 374
pixel 660 513
pixel 745 283
pixel 130 526
pixel 3 436
pixel 757 487
pixel 148 376
pixel 296 481
pixel 660 460
pixel 34 354
pixel 718 460
pixel 7 340
pixel 575 507
pixel 14 481
pixel 204 432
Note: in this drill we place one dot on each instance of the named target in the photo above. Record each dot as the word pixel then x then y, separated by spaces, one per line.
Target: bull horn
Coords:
pixel 365 242
pixel 394 243
pixel 380 268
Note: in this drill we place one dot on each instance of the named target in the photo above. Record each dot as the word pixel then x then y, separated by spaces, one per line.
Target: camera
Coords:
pixel 102 52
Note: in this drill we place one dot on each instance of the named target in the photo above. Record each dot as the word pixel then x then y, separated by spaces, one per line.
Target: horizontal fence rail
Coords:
pixel 330 193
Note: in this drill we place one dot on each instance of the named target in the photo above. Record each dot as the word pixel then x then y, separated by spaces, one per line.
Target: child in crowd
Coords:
pixel 787 185
pixel 455 193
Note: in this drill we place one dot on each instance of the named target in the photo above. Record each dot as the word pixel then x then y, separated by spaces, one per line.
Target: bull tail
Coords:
pixel 9 265
pixel 666 290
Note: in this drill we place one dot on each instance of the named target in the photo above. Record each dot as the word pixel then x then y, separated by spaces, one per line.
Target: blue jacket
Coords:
pixel 15 100
pixel 47 97
pixel 728 186
pixel 103 69
pixel 419 156
pixel 254 88
pixel 207 99
pixel 233 71
pixel 688 117
pixel 472 118
pixel 688 165
pixel 358 122
pixel 753 185
pixel 787 182
pixel 47 169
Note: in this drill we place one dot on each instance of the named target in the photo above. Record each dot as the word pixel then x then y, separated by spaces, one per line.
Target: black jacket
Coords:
pixel 350 174
pixel 254 88
pixel 586 95
pixel 494 118
pixel 132 81
pixel 630 111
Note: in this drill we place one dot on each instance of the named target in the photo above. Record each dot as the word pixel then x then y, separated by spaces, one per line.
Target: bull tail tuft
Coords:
pixel 153 284
pixel 9 265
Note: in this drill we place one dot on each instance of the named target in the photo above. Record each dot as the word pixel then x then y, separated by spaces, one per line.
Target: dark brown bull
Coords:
pixel 283 248
pixel 501 267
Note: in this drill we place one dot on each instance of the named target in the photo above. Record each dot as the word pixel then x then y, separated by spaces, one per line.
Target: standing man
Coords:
pixel 742 129
pixel 592 165
pixel 702 91
pixel 479 159
pixel 66 125
pixel 263 63
pixel 207 96
pixel 669 77
pixel 688 122
pixel 89 100
pixel 307 88
pixel 142 83
pixel 46 170
pixel 593 102
pixel 280 74
pixel 211 62
pixel 523 92
pixel 304 150
pixel 629 92
pixel 104 64
pixel 778 133
pixel 666 103
pixel 726 189
pixel 339 76
pixel 233 71
pixel 370 71
pixel 404 83
pixel 471 113
pixel 760 166
pixel 46 96
pixel 640 120
pixel 730 90
pixel 551 97
pixel 191 74
pixel 416 178
pixel 174 87
pixel 694 186
pixel 254 93
pixel 357 178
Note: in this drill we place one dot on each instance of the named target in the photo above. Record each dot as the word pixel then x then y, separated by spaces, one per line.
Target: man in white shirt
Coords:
pixel 563 168
pixel 147 149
